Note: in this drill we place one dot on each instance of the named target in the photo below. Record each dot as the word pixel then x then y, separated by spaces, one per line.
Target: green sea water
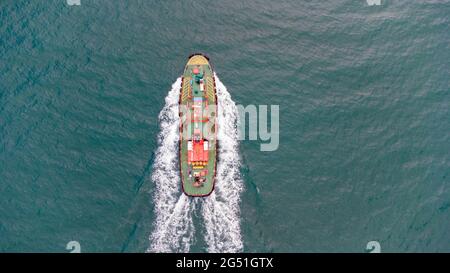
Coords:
pixel 364 97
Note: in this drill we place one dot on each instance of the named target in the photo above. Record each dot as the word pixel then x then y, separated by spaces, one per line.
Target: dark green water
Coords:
pixel 364 120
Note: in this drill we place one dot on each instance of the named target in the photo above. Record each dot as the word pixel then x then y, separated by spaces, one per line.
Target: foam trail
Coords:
pixel 221 209
pixel 173 228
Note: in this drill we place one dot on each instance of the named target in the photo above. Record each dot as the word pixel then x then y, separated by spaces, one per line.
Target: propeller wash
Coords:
pixel 174 228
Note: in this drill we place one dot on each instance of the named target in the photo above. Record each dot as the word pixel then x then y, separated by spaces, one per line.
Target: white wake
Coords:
pixel 174 227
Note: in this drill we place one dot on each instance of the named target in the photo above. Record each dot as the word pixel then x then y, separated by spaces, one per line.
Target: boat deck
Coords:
pixel 199 118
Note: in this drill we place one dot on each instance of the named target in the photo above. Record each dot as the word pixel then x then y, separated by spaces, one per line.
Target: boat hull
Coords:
pixel 198 127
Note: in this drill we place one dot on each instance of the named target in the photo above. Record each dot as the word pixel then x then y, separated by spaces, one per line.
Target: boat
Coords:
pixel 198 127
